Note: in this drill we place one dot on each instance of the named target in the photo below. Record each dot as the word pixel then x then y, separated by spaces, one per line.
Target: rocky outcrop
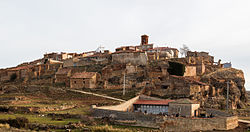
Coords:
pixel 218 88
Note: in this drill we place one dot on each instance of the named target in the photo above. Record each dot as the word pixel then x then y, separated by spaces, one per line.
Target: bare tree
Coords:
pixel 184 50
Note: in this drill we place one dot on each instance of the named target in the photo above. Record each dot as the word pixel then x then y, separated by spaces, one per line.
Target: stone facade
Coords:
pixel 164 53
pixel 167 123
pixel 134 58
pixel 53 56
pixel 84 80
pixel 199 57
pixel 200 124
pixel 184 108
pixel 190 71
pixel 63 76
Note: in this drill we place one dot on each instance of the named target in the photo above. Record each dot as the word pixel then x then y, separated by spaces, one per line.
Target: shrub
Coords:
pixel 176 68
pixel 19 122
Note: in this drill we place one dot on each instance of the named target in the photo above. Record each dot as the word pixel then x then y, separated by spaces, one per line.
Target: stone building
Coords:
pixel 152 106
pixel 84 80
pixel 190 71
pixel 200 57
pixel 134 58
pixel 125 48
pixel 144 46
pixel 63 76
pixel 68 55
pixel 53 56
pixel 164 53
pixel 184 107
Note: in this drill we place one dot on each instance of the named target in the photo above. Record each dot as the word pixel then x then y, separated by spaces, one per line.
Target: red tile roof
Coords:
pixel 153 102
pixel 83 75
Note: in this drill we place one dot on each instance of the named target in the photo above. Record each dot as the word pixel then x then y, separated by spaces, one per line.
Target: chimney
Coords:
pixel 144 39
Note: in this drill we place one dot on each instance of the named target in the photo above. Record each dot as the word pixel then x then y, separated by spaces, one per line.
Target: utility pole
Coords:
pixel 124 83
pixel 227 94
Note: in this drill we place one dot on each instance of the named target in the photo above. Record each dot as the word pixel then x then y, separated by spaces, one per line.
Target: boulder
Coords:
pixel 237 92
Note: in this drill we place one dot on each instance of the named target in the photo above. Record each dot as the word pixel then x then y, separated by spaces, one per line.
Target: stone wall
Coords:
pixel 190 71
pixel 121 117
pixel 200 124
pixel 167 123
pixel 135 58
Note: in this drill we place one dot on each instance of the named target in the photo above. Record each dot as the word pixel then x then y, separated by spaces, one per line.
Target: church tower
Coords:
pixel 144 39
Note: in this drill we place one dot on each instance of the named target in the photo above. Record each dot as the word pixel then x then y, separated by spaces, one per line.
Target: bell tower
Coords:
pixel 144 39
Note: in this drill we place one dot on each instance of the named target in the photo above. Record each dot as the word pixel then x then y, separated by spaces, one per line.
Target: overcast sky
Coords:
pixel 30 28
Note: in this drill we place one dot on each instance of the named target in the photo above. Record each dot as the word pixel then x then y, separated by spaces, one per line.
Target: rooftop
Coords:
pixel 184 101
pixel 84 75
pixel 153 102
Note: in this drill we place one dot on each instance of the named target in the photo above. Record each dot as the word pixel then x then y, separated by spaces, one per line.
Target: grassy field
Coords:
pixel 39 119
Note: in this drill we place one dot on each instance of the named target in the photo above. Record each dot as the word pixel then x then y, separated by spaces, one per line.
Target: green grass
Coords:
pixel 39 119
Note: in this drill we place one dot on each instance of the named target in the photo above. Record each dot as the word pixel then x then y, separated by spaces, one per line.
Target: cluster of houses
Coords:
pixel 65 66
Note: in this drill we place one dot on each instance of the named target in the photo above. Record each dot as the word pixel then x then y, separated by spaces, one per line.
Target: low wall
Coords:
pixel 167 123
pixel 200 124
pixel 129 118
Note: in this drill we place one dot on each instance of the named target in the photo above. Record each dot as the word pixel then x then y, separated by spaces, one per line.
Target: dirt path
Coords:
pixel 244 121
pixel 99 95
pixel 126 106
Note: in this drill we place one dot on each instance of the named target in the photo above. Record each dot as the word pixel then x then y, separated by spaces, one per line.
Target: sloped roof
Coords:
pixel 153 102
pixel 184 101
pixel 83 75
pixel 63 71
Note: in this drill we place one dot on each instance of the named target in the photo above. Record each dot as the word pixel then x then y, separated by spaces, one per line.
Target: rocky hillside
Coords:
pixel 218 88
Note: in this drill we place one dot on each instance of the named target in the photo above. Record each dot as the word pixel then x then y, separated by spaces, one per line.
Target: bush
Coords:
pixel 13 77
pixel 19 122
pixel 176 68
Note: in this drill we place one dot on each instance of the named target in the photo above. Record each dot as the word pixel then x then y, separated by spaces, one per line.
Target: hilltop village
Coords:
pixel 189 86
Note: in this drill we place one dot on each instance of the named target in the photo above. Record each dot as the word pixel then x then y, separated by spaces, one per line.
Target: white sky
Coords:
pixel 29 28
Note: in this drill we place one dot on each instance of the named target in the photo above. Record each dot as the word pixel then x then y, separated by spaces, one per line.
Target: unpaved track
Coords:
pixel 99 95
